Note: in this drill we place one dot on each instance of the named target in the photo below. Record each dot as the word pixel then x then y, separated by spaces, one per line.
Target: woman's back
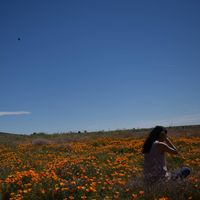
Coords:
pixel 155 164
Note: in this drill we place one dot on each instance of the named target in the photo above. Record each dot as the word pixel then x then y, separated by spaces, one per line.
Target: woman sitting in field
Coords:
pixel 154 149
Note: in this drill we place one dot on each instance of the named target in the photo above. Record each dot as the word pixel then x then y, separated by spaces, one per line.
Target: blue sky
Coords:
pixel 98 65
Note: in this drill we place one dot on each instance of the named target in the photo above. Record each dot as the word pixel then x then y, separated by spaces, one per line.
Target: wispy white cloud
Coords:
pixel 186 119
pixel 15 113
pixel 164 65
pixel 189 119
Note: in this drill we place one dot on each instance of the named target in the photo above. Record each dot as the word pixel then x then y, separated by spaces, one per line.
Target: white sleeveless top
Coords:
pixel 155 164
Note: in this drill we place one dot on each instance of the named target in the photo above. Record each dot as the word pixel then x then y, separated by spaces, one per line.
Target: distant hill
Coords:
pixel 4 134
pixel 9 134
pixel 177 131
pixel 136 130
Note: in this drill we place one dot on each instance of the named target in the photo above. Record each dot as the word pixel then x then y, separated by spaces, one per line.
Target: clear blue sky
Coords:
pixel 98 65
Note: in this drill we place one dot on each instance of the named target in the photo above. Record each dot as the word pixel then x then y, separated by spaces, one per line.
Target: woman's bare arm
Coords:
pixel 169 143
pixel 165 148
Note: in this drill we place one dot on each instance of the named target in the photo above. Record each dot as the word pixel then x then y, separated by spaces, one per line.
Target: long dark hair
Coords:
pixel 153 136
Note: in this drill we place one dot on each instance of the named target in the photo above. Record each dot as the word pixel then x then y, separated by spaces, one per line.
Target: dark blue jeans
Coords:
pixel 181 173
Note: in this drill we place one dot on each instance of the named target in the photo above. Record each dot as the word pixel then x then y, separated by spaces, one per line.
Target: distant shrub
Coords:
pixel 39 134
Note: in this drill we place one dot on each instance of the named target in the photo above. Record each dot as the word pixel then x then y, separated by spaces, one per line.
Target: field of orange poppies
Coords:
pixel 91 166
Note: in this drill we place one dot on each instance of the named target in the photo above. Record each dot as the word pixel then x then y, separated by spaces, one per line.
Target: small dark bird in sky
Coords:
pixel 19 39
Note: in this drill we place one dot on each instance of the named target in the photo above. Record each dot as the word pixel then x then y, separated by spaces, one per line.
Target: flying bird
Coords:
pixel 19 39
